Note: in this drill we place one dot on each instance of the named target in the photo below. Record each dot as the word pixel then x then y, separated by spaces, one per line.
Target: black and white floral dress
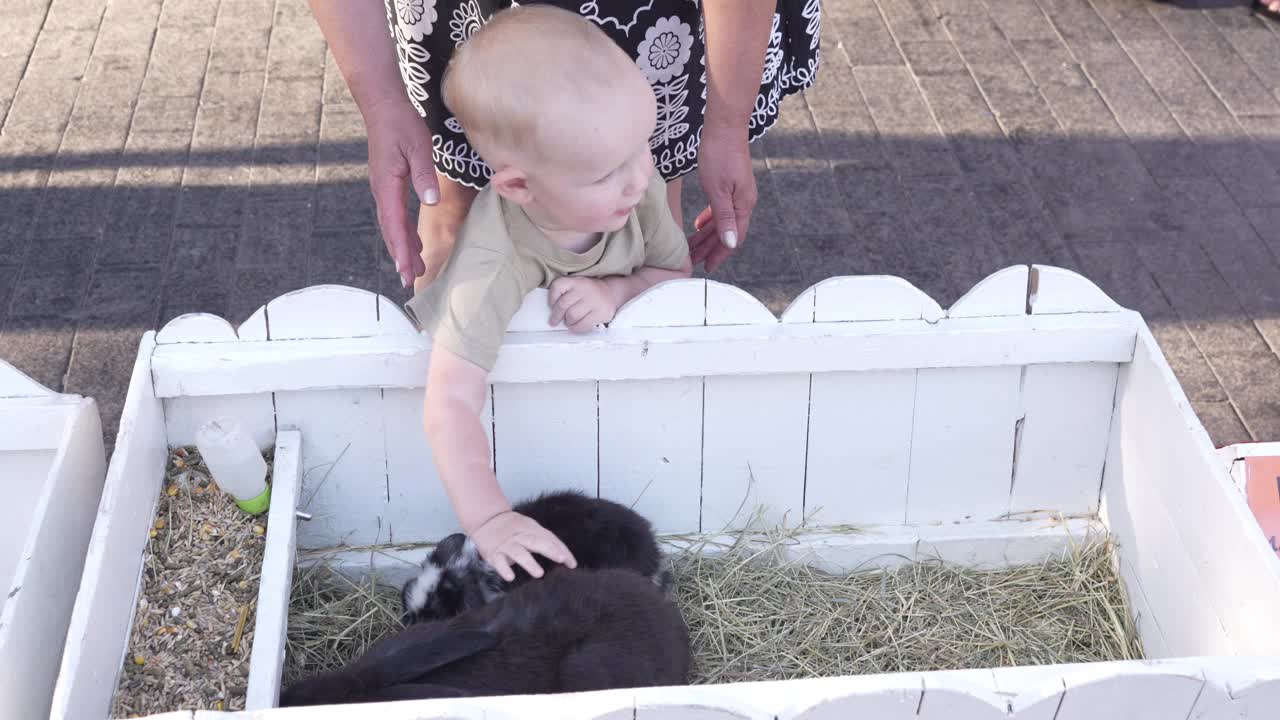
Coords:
pixel 664 36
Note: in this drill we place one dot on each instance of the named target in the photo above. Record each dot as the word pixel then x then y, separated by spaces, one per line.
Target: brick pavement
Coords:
pixel 160 158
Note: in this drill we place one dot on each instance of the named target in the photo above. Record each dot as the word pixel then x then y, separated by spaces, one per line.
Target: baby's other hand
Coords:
pixel 511 538
pixel 581 302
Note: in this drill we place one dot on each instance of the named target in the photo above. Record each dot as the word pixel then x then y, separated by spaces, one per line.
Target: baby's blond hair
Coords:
pixel 513 84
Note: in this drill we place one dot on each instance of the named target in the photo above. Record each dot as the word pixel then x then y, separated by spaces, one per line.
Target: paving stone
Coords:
pixel 276 234
pixel 1221 65
pixel 1132 141
pixel 865 38
pixel 1076 21
pixel 98 358
pixel 41 348
pixel 912 20
pixel 933 57
pixel 139 225
pixel 1021 19
pixel 122 297
pixel 1221 421
pixel 793 142
pixel 255 287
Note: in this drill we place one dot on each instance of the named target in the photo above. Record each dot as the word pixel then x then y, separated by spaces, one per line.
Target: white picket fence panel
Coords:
pixel 865 403
pixel 1196 688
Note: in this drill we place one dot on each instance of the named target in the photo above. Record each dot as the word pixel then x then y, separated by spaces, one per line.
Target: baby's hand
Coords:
pixel 508 538
pixel 581 302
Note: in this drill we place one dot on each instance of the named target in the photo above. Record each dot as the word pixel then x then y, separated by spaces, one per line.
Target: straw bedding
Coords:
pixel 193 625
pixel 752 617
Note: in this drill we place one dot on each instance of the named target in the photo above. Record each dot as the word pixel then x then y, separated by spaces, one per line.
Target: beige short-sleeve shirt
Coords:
pixel 500 256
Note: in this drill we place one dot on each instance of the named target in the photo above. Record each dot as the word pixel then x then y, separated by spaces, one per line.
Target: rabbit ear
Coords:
pixel 418 650
pixel 415 691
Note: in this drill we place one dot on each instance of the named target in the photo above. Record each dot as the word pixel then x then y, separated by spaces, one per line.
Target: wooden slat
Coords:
pixel 987 545
pixel 49 560
pixel 266 663
pixel 344 484
pixel 1002 293
pixel 859 454
pixel 419 509
pixel 654 353
pixel 34 423
pixel 1190 526
pixel 196 328
pixel 651 449
pixel 754 436
pixel 962 444
pixel 1134 692
pixel 103 614
pixel 872 297
pixel 1058 290
pixel 323 311
pixel 675 303
pixel 15 383
pixel 545 438
pixel 1067 413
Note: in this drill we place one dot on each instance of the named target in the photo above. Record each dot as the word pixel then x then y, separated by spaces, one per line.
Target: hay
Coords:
pixel 334 619
pixel 192 632
pixel 752 617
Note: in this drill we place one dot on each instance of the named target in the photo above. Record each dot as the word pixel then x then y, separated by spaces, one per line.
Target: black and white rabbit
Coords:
pixel 572 631
pixel 600 534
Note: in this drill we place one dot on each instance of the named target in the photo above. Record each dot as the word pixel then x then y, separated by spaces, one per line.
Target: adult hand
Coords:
pixel 724 170
pixel 400 151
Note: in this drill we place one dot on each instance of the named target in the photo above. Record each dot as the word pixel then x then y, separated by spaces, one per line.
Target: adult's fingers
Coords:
pixel 399 235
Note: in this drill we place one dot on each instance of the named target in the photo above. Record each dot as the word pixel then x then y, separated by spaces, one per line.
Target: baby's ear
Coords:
pixel 512 184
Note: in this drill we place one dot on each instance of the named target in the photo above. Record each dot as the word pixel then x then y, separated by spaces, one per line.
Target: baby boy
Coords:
pixel 563 117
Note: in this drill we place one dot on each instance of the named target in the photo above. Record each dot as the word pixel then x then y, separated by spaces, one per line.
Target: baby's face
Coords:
pixel 599 168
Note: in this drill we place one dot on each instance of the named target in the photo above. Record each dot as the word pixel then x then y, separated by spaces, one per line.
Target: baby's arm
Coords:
pixel 584 302
pixel 454 401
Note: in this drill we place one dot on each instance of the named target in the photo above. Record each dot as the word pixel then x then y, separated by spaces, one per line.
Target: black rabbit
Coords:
pixel 600 534
pixel 572 631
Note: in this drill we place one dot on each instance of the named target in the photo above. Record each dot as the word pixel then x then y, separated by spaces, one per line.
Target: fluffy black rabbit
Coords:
pixel 572 631
pixel 600 534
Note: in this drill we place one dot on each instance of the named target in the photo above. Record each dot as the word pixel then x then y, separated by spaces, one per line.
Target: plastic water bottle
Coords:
pixel 235 462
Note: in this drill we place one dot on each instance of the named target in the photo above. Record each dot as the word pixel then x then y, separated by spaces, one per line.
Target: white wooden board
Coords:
pixel 655 353
pixel 675 303
pixel 15 383
pixel 1172 622
pixel 545 437
pixel 1182 503
pixel 872 297
pixel 962 444
pixel 1058 290
pixel 1066 411
pixel 266 661
pixel 418 509
pixel 47 560
pixel 1003 293
pixel 754 437
pixel 33 424
pixel 859 454
pixel 196 328
pixel 344 485
pixel 651 449
pixel 103 614
pixel 323 311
